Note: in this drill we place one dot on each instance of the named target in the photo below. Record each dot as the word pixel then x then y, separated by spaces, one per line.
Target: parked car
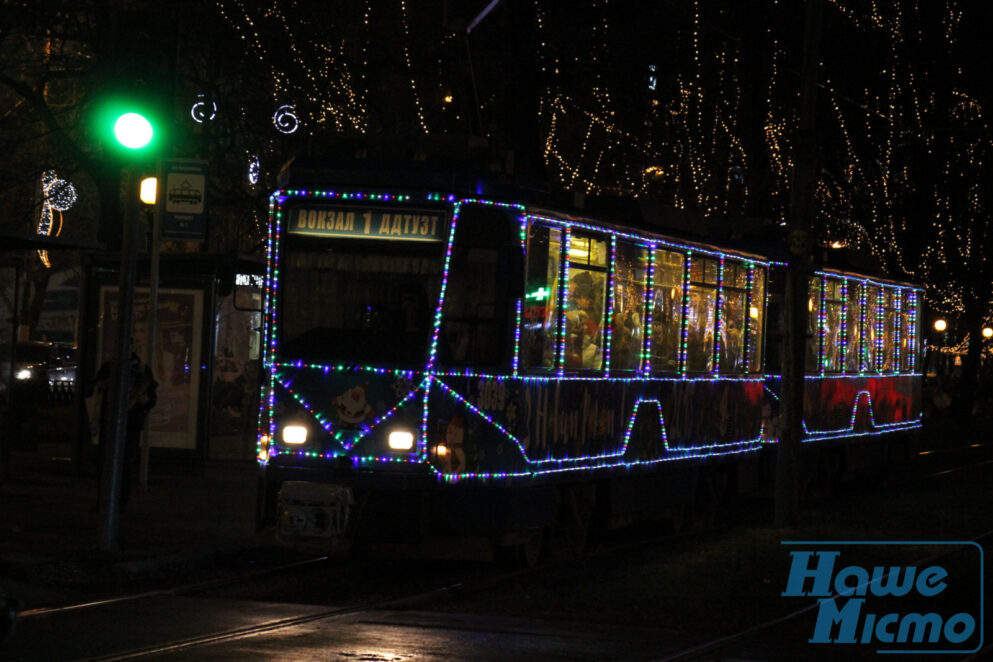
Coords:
pixel 43 371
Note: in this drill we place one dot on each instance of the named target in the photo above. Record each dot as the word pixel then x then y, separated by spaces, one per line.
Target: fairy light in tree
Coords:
pixel 410 67
pixel 294 44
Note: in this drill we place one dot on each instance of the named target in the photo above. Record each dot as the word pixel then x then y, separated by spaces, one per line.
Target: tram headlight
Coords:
pixel 294 435
pixel 401 440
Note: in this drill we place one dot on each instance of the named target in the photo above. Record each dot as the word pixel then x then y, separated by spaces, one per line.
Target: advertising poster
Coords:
pixel 173 421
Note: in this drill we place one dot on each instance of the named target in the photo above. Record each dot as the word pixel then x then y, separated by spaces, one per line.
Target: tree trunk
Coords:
pixel 974 309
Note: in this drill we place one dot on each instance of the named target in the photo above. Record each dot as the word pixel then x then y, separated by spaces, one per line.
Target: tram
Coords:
pixel 438 363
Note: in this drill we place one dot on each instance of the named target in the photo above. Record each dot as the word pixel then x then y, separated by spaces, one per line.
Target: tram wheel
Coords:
pixel 520 550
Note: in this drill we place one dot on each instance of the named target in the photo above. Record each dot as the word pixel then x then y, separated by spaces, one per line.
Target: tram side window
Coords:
pixel 813 330
pixel 667 310
pixel 733 301
pixel 853 345
pixel 700 316
pixel 756 314
pixel 871 328
pixel 584 309
pixel 908 333
pixel 540 323
pixel 889 331
pixel 627 324
pixel 832 325
pixel 478 299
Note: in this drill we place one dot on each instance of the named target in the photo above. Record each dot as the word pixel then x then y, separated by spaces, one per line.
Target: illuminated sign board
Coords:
pixel 367 222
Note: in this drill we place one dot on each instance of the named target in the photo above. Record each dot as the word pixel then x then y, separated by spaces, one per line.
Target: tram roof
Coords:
pixel 475 171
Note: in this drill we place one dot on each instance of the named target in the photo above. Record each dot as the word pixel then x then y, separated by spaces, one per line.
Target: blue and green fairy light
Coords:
pixel 433 376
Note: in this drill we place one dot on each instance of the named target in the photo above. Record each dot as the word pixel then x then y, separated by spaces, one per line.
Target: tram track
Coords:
pixel 732 644
pixel 458 587
pixel 184 589
pixel 461 586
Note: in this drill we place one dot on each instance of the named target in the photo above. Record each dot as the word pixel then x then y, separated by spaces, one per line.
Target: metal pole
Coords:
pixel 799 244
pixel 153 314
pixel 7 438
pixel 120 380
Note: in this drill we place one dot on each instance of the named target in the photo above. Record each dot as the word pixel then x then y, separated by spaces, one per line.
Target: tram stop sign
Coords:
pixel 185 191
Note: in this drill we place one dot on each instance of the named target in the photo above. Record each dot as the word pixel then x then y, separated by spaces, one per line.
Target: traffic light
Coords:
pixel 130 128
pixel 133 130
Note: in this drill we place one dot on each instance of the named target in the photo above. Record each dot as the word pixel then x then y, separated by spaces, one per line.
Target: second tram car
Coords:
pixel 443 364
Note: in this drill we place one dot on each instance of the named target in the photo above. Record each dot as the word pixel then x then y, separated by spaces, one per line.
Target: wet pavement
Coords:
pixel 48 525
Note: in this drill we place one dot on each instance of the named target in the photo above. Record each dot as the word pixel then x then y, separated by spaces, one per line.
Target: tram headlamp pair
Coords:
pixel 398 440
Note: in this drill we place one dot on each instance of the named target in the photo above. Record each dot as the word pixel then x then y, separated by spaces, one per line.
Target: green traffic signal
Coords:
pixel 131 126
pixel 133 130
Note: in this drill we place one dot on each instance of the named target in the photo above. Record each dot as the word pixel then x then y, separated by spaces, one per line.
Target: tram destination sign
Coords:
pixel 357 222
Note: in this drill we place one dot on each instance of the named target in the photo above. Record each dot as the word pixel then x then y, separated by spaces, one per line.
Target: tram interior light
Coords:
pixel 295 434
pixel 401 440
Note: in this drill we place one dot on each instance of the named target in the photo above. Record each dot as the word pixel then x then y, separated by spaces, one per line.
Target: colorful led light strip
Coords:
pixel 684 340
pixel 270 335
pixel 325 422
pixel 611 303
pixel 646 350
pixel 562 303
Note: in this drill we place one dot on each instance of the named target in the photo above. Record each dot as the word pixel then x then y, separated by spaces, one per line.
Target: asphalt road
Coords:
pixel 185 628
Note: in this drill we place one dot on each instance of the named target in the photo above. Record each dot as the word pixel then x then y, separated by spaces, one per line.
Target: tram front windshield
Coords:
pixel 357 302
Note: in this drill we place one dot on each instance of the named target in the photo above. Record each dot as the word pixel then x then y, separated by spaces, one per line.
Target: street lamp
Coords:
pixel 987 332
pixel 940 325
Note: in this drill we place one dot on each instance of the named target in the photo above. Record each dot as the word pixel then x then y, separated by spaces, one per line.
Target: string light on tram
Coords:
pixel 433 380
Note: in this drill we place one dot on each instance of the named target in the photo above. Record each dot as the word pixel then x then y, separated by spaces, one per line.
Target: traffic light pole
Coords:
pixel 151 336
pixel 115 415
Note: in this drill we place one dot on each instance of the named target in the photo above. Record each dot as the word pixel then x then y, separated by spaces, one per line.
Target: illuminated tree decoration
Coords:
pixel 203 109
pixel 254 168
pixel 285 119
pixel 58 195
pixel 61 194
